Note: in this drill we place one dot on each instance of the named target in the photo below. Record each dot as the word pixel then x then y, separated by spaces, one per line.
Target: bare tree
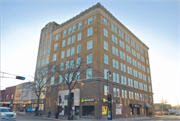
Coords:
pixel 70 74
pixel 163 103
pixel 41 79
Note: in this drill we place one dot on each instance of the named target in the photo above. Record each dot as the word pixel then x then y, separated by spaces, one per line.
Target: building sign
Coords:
pixel 17 95
pixel 87 100
pixel 135 105
pixel 119 109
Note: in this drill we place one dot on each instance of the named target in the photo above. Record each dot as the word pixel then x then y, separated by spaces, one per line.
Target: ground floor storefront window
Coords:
pixel 131 111
pixel 41 106
pixel 104 110
pixel 88 111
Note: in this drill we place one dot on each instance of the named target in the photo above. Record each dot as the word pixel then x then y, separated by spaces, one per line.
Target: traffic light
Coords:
pixel 71 99
pixel 20 77
pixel 60 100
pixel 109 100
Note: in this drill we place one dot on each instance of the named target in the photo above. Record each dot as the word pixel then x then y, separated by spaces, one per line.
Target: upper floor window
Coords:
pixel 74 28
pixel 106 90
pixel 105 45
pixel 78 61
pixel 68 52
pixel 49 41
pixel 89 44
pixel 54 57
pixel 69 40
pixel 80 25
pixel 60 79
pixel 64 34
pixel 105 33
pixel 90 31
pixel 88 73
pixel 52 80
pixel 115 29
pixel 112 27
pixel 89 58
pixel 72 50
pixel 62 54
pixel 64 43
pixel 79 49
pixel 79 36
pixel 70 30
pixel 57 37
pixel 55 46
pixel 73 39
pixel 114 92
pixel 89 20
pixel 106 59
pixel 105 21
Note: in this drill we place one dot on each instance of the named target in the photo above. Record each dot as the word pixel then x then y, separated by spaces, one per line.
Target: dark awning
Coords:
pixel 147 105
pixel 135 105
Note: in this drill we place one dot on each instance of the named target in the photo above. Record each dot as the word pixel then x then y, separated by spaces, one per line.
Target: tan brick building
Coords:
pixel 110 46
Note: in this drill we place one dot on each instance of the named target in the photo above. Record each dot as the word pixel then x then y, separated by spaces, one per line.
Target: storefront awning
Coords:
pixel 147 105
pixel 135 105
pixel 4 102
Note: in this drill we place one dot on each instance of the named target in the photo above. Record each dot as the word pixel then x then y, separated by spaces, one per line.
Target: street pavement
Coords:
pixel 21 117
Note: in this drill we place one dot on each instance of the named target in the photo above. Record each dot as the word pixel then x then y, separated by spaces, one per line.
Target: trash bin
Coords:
pixel 56 116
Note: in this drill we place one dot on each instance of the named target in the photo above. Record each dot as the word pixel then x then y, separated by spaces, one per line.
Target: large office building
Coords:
pixel 108 46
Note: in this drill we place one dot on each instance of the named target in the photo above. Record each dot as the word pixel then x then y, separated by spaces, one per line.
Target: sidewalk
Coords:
pixel 86 119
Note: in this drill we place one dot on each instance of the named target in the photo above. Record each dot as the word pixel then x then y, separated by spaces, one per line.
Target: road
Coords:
pixel 160 118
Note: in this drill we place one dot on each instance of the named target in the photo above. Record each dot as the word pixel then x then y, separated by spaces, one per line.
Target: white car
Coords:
pixel 7 114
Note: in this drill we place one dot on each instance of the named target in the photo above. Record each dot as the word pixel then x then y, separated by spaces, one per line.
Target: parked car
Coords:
pixel 7 114
pixel 177 114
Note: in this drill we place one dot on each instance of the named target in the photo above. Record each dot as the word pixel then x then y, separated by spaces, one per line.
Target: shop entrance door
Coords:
pixel 146 111
pixel 138 111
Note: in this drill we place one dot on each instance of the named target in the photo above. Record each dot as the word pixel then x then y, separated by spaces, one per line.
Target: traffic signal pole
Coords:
pixel 109 102
pixel 17 77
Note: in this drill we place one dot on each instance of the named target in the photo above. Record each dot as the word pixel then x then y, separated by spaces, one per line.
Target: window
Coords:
pixel 117 78
pixel 149 79
pixel 72 64
pixel 52 80
pixel 70 30
pixel 112 38
pixel 125 93
pixel 106 90
pixel 80 25
pixel 151 98
pixel 78 76
pixel 145 87
pixel 79 36
pixel 69 40
pixel 74 28
pixel 39 63
pixel 62 54
pixel 149 88
pixel 72 50
pixel 114 63
pixel 114 77
pixel 78 62
pixel 89 58
pixel 89 44
pixel 47 60
pixel 60 79
pixel 105 74
pixel 117 65
pixel 105 21
pixel 73 39
pixel 118 93
pixel 67 64
pixel 64 43
pixel 49 41
pixel 148 70
pixel 64 33
pixel 40 54
pixel 62 67
pixel 44 52
pixel 57 37
pixel 53 68
pixel 115 29
pixel 89 73
pixel 42 63
pixel 105 33
pixel 116 52
pixel 48 50
pixel 89 20
pixel 146 98
pixel 54 57
pixel 90 31
pixel 122 93
pixel 113 50
pixel 112 27
pixel 68 52
pixel 44 82
pixel 45 43
pixel 79 49
pixel 55 46
pixel 105 45
pixel 114 92
pixel 106 59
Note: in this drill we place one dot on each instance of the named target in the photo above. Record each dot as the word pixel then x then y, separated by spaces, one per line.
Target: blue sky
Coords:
pixel 155 23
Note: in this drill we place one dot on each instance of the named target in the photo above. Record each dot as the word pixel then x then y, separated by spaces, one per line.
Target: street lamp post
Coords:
pixel 110 109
